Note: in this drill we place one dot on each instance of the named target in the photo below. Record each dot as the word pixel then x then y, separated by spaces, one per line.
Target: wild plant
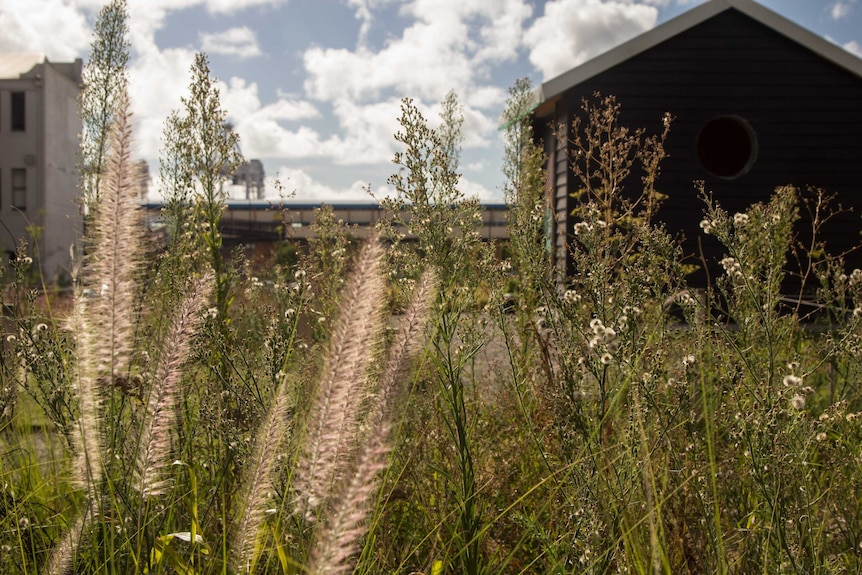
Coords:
pixel 529 218
pixel 337 538
pixel 329 251
pixel 199 155
pixel 671 435
pixel 431 207
pixel 773 383
pixel 105 80
pixel 37 351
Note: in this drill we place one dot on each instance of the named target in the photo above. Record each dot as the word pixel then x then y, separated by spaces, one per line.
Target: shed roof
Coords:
pixel 13 64
pixel 826 49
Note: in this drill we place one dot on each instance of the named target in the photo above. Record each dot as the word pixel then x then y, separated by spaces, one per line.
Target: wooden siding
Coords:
pixel 805 110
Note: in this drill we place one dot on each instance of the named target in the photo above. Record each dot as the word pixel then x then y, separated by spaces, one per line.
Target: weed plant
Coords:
pixel 185 413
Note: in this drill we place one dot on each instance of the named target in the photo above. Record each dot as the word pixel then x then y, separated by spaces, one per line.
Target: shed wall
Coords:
pixel 805 110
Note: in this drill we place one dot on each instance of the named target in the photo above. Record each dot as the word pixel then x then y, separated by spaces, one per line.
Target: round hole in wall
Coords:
pixel 727 146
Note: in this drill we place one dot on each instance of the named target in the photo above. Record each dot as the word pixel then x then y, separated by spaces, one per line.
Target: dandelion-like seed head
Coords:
pixel 606 358
pixel 791 380
pixel 821 437
pixel 798 402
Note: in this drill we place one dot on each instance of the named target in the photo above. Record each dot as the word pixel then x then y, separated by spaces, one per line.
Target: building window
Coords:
pixel 19 111
pixel 727 147
pixel 19 188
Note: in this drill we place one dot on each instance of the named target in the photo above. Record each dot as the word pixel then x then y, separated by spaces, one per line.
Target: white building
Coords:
pixel 39 127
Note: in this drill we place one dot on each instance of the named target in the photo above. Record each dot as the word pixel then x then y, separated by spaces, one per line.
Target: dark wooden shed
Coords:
pixel 733 74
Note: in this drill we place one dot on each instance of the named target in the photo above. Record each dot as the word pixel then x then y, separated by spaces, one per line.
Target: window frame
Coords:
pixel 18 111
pixel 18 202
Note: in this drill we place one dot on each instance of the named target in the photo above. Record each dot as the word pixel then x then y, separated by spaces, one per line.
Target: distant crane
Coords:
pixel 250 174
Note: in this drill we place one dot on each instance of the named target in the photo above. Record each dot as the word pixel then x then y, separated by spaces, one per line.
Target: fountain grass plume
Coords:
pixel 102 323
pixel 114 263
pixel 337 537
pixel 406 344
pixel 62 558
pixel 336 540
pixel 87 440
pixel 154 444
pixel 333 418
pixel 259 479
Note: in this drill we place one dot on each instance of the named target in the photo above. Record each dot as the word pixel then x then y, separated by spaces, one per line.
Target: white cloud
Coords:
pixel 447 44
pixel 367 132
pixel 572 31
pixel 840 10
pixel 157 81
pixel 240 42
pixel 298 184
pixel 364 13
pixel 233 6
pixel 52 27
pixel 854 48
pixel 450 45
pixel 259 126
pixel 472 189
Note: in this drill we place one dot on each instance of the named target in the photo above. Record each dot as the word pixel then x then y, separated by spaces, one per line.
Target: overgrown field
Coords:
pixel 190 412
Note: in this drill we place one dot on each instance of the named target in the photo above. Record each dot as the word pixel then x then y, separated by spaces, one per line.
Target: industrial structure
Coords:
pixel 259 224
pixel 39 127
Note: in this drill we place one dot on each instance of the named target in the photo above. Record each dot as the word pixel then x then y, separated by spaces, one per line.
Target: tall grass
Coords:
pixel 383 407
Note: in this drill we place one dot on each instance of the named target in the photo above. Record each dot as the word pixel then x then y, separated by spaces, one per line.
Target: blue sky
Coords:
pixel 313 86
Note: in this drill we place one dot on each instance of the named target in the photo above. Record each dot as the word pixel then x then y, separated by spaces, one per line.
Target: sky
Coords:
pixel 313 87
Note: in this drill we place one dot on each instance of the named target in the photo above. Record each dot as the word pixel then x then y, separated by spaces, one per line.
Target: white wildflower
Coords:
pixel 582 228
pixel 571 297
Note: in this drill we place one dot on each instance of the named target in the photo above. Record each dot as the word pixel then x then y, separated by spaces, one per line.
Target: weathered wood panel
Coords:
pixel 805 110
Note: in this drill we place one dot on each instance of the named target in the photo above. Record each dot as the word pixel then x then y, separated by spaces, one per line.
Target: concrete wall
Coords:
pixel 61 217
pixel 48 151
pixel 18 150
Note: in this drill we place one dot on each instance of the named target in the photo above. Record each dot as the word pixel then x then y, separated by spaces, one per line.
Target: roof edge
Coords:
pixel 817 44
